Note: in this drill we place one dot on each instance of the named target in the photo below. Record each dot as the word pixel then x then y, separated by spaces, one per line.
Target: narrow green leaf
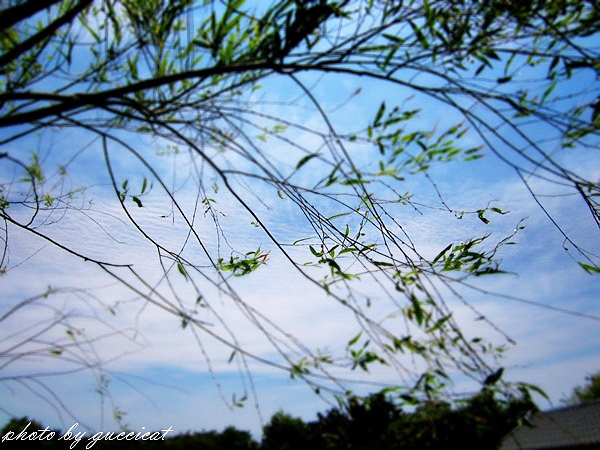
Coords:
pixel 590 269
pixel 354 340
pixel 382 264
pixel 305 159
pixel 410 400
pixel 442 253
pixel 494 377
pixel 181 269
pixel 352 181
pixel 553 63
pixel 481 216
pixel 231 356
pixel 439 323
pixel 314 252
pixel 335 216
pixel 379 114
pixel 534 388
pixel 300 240
pixel 418 311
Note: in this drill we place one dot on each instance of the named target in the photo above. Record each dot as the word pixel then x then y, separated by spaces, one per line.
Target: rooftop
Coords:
pixel 575 426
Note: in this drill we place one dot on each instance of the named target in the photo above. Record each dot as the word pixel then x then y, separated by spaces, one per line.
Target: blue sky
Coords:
pixel 162 375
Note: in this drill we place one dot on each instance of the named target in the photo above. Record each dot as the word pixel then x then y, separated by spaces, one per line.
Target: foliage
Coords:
pixel 229 438
pixel 360 423
pixel 375 422
pixel 285 432
pixel 587 393
pixel 482 421
pixel 135 85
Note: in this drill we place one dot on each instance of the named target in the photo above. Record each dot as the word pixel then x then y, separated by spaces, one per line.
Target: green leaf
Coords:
pixel 439 323
pixel 314 252
pixel 335 216
pixel 352 181
pixel 137 202
pixel 494 377
pixel 410 400
pixel 553 64
pixel 481 216
pixel 382 264
pixel 534 388
pixel 231 356
pixel 442 253
pixel 181 269
pixel 548 91
pixel 305 159
pixel 420 36
pixel 590 269
pixel 300 240
pixel 354 340
pixel 417 309
pixel 379 114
